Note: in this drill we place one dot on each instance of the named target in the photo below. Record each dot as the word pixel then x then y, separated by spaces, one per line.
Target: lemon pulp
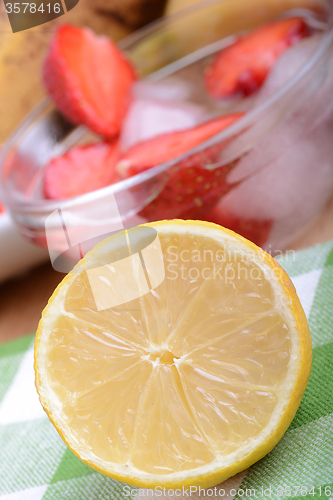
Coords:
pixel 181 378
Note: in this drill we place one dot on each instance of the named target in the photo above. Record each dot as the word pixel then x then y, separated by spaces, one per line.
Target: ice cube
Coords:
pixel 288 65
pixel 148 118
pixel 291 190
pixel 313 97
pixel 169 89
pixel 292 116
pixel 286 173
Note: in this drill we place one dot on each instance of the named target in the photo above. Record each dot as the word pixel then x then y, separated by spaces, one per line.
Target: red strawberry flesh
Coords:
pixel 166 147
pixel 191 189
pixel 244 66
pixel 81 170
pixel 89 79
pixel 254 230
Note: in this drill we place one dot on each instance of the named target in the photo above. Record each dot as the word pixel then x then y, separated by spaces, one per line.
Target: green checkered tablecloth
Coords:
pixel 35 464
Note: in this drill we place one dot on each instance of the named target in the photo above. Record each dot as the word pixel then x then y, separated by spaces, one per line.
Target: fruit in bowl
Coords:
pixel 81 170
pixel 89 79
pixel 191 188
pixel 94 84
pixel 244 66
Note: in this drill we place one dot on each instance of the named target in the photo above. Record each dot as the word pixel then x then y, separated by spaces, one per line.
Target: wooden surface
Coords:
pixel 23 299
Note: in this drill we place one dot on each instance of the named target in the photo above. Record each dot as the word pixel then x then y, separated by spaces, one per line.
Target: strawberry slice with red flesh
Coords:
pixel 254 230
pixel 191 190
pixel 89 79
pixel 81 170
pixel 243 67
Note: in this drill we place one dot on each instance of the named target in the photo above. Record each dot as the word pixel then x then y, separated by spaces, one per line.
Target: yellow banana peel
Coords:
pixel 22 54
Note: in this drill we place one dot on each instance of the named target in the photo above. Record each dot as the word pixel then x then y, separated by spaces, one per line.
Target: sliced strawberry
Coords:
pixel 254 230
pixel 166 147
pixel 244 66
pixel 191 189
pixel 81 170
pixel 89 79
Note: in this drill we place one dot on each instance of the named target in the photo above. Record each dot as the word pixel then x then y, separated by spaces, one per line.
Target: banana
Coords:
pixel 280 5
pixel 22 54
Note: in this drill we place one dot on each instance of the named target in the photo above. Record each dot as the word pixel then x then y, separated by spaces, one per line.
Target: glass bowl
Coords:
pixel 280 151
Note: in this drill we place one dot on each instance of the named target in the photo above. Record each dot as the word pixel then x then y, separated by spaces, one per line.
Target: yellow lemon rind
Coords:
pixel 210 476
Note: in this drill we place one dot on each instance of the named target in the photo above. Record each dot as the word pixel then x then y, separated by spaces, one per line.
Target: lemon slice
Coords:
pixel 195 378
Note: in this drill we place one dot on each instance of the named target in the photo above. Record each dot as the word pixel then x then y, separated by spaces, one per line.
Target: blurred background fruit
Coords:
pixel 131 13
pixel 21 54
pixel 176 5
pixel 219 19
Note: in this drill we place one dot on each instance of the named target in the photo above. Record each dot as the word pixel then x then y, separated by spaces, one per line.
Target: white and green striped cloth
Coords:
pixel 35 463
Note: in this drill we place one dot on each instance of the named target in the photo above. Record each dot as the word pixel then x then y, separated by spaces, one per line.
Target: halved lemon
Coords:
pixel 195 377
